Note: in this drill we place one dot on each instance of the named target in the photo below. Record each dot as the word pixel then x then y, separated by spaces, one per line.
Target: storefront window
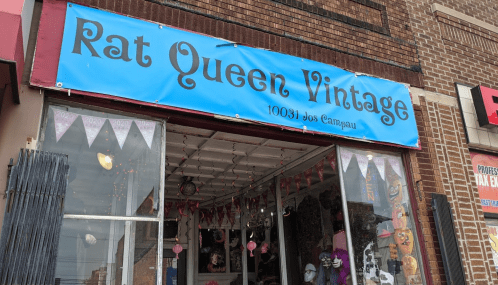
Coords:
pixel 384 240
pixel 492 225
pixel 110 229
pixel 114 161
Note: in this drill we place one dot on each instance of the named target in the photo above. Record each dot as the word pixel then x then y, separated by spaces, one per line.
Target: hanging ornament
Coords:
pixel 255 203
pixel 319 169
pixel 265 198
pixel 288 183
pixel 221 215
pixel 282 184
pixel 200 240
pixel 230 215
pixel 209 216
pixel 202 216
pixel 177 249
pixel 236 203
pixel 307 175
pixel 272 189
pixel 167 208
pixel 180 205
pixel 297 180
pixel 251 246
pixel 192 206
pixel 331 157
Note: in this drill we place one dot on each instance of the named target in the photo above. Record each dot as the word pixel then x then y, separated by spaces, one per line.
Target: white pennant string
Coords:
pixel 395 165
pixel 121 128
pixel 345 159
pixel 381 166
pixel 363 164
pixel 92 125
pixel 147 130
pixel 63 120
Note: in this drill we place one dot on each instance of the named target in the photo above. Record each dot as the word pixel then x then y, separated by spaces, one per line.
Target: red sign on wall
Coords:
pixel 486 103
pixel 486 175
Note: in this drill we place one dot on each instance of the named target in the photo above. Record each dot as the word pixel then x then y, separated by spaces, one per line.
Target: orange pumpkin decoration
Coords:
pixel 399 217
pixel 404 240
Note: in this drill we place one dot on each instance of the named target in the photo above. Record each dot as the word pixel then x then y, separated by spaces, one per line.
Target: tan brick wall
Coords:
pixel 453 50
pixel 444 166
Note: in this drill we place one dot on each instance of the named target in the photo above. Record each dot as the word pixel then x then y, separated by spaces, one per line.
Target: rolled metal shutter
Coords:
pixel 33 218
pixel 448 243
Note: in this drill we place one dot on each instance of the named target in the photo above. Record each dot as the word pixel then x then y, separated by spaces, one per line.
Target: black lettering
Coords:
pixel 240 72
pixel 316 76
pixel 285 93
pixel 327 89
pixel 114 52
pixel 400 105
pixel 388 119
pixel 371 106
pixel 251 77
pixel 218 70
pixel 80 37
pixel 356 104
pixel 177 47
pixel 140 49
pixel 344 98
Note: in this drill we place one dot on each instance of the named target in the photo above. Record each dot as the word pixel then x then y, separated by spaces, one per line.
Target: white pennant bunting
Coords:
pixel 345 158
pixel 395 165
pixel 92 125
pixel 63 120
pixel 381 166
pixel 121 128
pixel 363 164
pixel 147 129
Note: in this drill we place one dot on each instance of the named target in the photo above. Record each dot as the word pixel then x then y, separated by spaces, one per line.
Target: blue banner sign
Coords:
pixel 112 54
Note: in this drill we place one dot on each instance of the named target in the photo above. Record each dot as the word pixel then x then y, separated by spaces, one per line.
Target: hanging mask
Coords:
pixel 395 193
pixel 404 239
pixel 326 261
pixel 399 217
pixel 309 272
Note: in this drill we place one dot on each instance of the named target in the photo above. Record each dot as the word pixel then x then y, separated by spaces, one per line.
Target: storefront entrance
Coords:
pixel 242 209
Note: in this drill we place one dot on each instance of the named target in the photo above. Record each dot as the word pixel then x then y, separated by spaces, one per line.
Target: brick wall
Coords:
pixel 453 50
pixel 317 30
pixel 444 166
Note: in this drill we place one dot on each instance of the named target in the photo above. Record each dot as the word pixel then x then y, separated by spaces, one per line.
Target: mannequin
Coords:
pixel 310 274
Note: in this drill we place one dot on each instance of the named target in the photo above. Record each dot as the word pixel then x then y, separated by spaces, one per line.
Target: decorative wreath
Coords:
pixel 216 236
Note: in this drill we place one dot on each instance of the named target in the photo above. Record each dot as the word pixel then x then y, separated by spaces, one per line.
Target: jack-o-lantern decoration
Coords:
pixel 404 240
pixel 409 266
pixel 399 217
pixel 395 192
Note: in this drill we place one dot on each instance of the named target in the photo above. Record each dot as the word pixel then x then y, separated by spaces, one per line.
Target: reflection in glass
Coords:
pixel 492 226
pixel 114 160
pixel 382 230
pixel 212 251
pixel 92 252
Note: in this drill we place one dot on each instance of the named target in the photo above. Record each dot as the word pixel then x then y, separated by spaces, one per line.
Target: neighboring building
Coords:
pixel 265 137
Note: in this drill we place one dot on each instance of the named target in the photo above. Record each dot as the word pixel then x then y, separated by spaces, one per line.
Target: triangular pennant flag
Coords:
pixel 167 208
pixel 381 166
pixel 180 205
pixel 121 128
pixel 307 174
pixel 395 165
pixel 192 206
pixel 63 120
pixel 221 215
pixel 92 127
pixel 331 157
pixel 345 159
pixel 363 164
pixel 297 180
pixel 288 183
pixel 319 169
pixel 147 129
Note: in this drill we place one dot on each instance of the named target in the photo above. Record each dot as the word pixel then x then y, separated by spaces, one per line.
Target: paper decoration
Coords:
pixel 307 175
pixel 288 183
pixel 209 216
pixel 121 128
pixel 381 167
pixel 255 203
pixel 395 165
pixel 272 189
pixel 345 159
pixel 231 217
pixel 192 206
pixel 63 120
pixel 331 158
pixel 283 181
pixel 363 164
pixel 147 129
pixel 236 203
pixel 180 205
pixel 265 198
pixel 92 125
pixel 319 169
pixel 221 215
pixel 297 180
pixel 167 208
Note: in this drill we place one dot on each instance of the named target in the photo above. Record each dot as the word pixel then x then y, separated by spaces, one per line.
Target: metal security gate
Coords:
pixel 33 218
